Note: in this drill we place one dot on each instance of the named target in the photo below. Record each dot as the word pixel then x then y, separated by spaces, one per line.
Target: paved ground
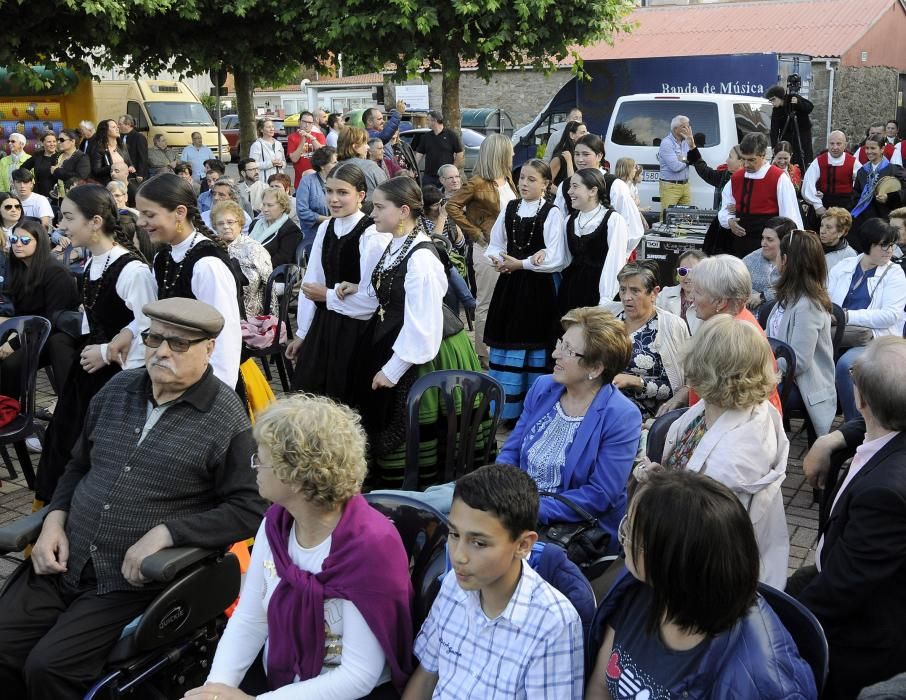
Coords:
pixel 801 514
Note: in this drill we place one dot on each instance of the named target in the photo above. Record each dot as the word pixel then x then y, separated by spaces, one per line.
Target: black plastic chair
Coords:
pixel 32 332
pixel 763 311
pixel 783 350
pixel 804 628
pixel 657 434
pixel 477 392
pixel 289 276
pixel 424 533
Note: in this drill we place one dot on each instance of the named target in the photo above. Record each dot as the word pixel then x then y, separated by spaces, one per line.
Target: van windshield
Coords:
pixel 178 114
pixel 645 123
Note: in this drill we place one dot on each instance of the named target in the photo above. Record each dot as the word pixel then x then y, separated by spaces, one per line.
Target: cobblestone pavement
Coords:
pixel 801 513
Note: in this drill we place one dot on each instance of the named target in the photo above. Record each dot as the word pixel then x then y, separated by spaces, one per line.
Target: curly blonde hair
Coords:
pixel 280 197
pixel 317 447
pixel 730 364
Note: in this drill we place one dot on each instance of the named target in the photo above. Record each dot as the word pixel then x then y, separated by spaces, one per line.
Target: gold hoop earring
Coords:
pixel 95 237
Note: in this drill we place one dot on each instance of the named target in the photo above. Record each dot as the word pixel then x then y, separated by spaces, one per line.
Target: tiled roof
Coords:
pixel 810 27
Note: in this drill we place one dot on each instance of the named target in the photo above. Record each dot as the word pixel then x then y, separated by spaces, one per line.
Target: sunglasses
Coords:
pixel 177 344
pixel 24 240
pixel 62 140
pixel 683 271
pixel 10 207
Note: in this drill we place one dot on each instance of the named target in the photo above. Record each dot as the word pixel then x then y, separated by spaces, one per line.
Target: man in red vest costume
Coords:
pixel 899 154
pixel 755 193
pixel 876 129
pixel 828 182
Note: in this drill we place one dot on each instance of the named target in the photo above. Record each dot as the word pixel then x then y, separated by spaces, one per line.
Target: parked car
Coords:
pixel 471 141
pixel 229 125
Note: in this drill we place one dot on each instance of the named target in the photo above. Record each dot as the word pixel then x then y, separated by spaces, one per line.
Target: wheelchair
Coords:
pixel 169 648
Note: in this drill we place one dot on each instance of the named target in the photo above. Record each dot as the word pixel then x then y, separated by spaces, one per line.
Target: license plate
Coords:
pixel 651 176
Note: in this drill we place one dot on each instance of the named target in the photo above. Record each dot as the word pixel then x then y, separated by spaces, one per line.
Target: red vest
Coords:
pixel 863 159
pixel 756 197
pixel 835 179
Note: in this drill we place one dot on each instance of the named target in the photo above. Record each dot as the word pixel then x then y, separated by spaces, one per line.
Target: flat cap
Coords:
pixel 191 314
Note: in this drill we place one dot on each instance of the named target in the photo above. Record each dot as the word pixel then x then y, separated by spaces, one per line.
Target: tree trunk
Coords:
pixel 449 89
pixel 245 107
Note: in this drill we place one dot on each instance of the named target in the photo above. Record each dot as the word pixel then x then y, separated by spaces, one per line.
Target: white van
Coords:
pixel 639 122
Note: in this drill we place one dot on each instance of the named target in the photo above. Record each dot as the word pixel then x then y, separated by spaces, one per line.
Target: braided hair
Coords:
pixel 170 191
pixel 96 200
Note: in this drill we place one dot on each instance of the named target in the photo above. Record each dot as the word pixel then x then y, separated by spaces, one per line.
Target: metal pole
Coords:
pixel 219 132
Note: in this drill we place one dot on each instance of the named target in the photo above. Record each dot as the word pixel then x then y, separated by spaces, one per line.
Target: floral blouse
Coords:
pixel 255 263
pixel 647 363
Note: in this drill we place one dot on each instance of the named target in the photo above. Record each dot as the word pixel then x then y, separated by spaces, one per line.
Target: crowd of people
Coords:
pixel 149 442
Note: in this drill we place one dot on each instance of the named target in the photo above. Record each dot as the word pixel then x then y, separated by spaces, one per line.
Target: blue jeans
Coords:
pixel 845 383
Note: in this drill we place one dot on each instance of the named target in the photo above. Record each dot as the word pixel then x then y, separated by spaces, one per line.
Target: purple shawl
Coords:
pixel 367 566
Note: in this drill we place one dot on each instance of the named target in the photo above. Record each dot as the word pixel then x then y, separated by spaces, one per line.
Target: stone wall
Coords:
pixel 863 95
pixel 519 93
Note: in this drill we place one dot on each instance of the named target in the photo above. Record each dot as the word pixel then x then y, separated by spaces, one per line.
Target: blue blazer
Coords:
pixel 599 460
pixel 310 202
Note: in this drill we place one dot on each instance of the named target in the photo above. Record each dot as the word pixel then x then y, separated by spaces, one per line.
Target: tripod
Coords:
pixel 799 157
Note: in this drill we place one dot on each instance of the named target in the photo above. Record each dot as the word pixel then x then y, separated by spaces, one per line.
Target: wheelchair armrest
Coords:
pixel 17 535
pixel 164 565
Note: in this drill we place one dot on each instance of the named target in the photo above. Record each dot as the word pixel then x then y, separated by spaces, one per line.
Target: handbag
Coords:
pixel 452 323
pixel 259 331
pixel 855 336
pixel 585 542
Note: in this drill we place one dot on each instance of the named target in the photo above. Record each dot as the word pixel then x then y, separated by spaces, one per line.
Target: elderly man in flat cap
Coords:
pixel 163 461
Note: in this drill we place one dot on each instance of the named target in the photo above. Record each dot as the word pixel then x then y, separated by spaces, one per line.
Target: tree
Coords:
pixel 258 41
pixel 416 37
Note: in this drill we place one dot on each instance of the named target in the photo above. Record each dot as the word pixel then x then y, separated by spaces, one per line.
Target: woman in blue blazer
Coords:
pixel 311 204
pixel 578 434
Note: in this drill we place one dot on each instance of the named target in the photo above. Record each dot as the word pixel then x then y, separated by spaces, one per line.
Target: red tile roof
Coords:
pixel 810 27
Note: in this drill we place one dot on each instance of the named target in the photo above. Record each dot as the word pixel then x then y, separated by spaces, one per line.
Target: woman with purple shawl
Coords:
pixel 327 594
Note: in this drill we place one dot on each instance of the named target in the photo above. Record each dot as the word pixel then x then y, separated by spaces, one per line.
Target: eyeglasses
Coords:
pixel 567 350
pixel 251 170
pixel 683 271
pixel 227 222
pixel 623 531
pixel 63 140
pixel 177 344
pixel 10 207
pixel 256 464
pixel 885 246
pixel 24 240
pixel 307 121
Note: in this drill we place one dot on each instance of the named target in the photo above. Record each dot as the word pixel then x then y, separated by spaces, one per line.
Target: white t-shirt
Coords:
pixel 37 206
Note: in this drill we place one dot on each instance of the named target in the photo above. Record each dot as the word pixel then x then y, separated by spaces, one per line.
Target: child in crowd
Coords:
pixel 497 629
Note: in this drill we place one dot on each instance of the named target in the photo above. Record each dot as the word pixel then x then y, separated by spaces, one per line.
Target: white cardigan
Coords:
pixel 746 449
pixel 884 314
pixel 669 299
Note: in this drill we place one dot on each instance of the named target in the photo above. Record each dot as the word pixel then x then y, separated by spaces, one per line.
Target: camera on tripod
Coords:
pixel 794 84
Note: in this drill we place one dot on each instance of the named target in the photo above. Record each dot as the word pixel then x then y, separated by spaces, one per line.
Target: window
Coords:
pixel 178 114
pixel 645 123
pixel 752 118
pixel 134 110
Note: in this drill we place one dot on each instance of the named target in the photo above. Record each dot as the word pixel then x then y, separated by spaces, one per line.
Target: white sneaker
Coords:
pixel 33 444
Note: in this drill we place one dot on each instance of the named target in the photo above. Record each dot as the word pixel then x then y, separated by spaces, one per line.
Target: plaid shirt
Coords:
pixel 532 650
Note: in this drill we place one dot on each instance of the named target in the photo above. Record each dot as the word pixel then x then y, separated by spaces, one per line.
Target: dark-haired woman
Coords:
pixel 527 248
pixel 764 264
pixel 72 163
pixel 192 264
pixel 116 285
pixel 406 334
pixel 686 532
pixel 311 205
pixel 596 245
pixel 866 204
pixel 41 163
pixel 331 322
pixel 107 147
pixel 802 319
pixel 561 163
pixel 37 285
pixel 10 215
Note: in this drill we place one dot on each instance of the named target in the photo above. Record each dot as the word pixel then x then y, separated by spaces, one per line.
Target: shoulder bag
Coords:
pixel 585 542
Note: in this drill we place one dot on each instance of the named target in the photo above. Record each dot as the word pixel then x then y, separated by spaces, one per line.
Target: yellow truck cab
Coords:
pixel 167 107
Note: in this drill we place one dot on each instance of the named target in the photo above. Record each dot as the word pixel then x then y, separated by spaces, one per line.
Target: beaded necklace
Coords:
pixel 97 285
pixel 169 283
pixel 582 226
pixel 521 247
pixel 385 269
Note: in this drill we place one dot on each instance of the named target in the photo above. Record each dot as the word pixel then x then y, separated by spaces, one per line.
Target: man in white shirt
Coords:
pixel 757 192
pixel 36 206
pixel 828 182
pixel 575 115
pixel 196 155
